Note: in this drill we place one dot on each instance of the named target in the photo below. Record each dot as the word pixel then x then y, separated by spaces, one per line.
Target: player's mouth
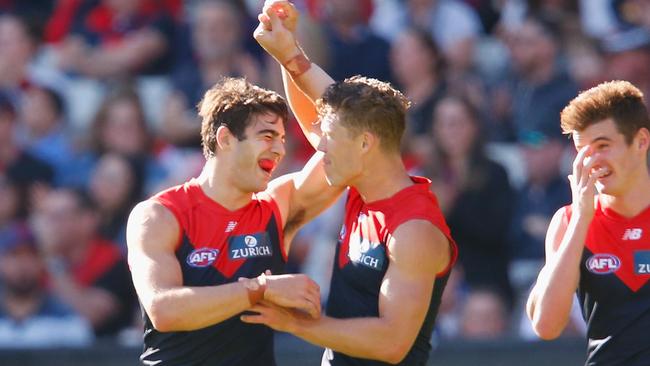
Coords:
pixel 267 165
pixel 602 172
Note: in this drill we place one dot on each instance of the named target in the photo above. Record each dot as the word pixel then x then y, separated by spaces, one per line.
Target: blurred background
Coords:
pixel 97 112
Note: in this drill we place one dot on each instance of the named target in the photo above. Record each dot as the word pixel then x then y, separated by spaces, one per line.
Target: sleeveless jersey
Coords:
pixel 614 291
pixel 217 246
pixel 362 261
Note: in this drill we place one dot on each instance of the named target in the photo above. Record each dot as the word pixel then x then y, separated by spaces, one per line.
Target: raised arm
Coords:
pixel 304 82
pixel 304 194
pixel 549 303
pixel 152 234
pixel 418 251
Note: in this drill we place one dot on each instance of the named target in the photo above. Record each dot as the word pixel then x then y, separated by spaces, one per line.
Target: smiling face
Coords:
pixel 342 149
pixel 256 156
pixel 622 162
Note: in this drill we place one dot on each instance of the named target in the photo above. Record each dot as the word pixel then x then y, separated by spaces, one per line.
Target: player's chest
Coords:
pixel 229 245
pixel 362 252
pixel 617 255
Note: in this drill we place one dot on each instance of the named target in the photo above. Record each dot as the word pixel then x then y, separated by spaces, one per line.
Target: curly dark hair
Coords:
pixel 232 102
pixel 619 100
pixel 366 104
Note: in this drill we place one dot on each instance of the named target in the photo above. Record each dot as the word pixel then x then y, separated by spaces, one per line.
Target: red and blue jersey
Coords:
pixel 217 246
pixel 362 261
pixel 614 291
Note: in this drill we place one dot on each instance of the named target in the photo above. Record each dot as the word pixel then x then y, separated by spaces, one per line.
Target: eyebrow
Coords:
pixel 601 138
pixel 597 139
pixel 274 133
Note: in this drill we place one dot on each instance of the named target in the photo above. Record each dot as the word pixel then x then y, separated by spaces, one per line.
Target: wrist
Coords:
pixel 297 64
pixel 256 288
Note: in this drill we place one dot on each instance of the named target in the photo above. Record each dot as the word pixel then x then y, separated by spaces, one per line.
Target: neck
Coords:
pixel 218 187
pixel 635 199
pixel 374 187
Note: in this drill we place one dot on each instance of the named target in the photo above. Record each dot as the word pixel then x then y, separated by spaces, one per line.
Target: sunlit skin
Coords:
pixel 342 160
pixel 244 167
pixel 618 164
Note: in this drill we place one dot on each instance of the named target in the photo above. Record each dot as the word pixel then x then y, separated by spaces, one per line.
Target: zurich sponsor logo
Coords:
pixel 202 257
pixel 603 263
pixel 250 241
pixel 250 246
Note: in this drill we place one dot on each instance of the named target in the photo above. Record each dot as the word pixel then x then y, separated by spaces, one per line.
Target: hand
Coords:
pixel 285 10
pixel 274 37
pixel 583 182
pixel 295 291
pixel 273 316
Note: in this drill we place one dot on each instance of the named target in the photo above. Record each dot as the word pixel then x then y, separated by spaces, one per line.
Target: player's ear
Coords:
pixel 368 141
pixel 224 138
pixel 642 139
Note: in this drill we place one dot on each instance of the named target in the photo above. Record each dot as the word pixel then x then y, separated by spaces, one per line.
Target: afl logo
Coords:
pixel 202 257
pixel 603 263
pixel 250 241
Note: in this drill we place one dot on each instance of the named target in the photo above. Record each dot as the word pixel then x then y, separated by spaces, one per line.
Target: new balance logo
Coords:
pixel 632 234
pixel 231 226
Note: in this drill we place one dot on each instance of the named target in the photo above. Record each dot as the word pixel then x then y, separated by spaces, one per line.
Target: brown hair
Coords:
pixel 366 104
pixel 231 103
pixel 619 100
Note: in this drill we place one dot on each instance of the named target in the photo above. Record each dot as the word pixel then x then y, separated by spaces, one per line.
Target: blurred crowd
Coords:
pixel 97 112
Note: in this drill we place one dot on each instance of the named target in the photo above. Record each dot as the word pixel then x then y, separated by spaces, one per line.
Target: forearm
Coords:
pixel 373 338
pixel 303 108
pixel 553 294
pixel 312 83
pixel 190 308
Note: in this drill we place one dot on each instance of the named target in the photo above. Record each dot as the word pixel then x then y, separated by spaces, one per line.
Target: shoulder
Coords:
pixel 557 228
pixel 151 222
pixel 422 205
pixel 420 242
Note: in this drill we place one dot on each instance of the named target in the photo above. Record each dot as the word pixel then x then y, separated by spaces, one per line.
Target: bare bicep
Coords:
pixel 152 235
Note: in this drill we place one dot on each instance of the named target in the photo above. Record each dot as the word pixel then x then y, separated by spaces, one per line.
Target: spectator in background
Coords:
pixel 354 47
pixel 217 50
pixel 120 127
pixel 117 38
pixel 86 271
pixel 417 66
pixel 19 40
pixel 628 59
pixel 31 316
pixel 484 315
pixel 115 186
pixel 540 86
pixel 544 191
pixel 42 129
pixel 453 24
pixel 9 202
pixel 26 171
pixel 474 193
